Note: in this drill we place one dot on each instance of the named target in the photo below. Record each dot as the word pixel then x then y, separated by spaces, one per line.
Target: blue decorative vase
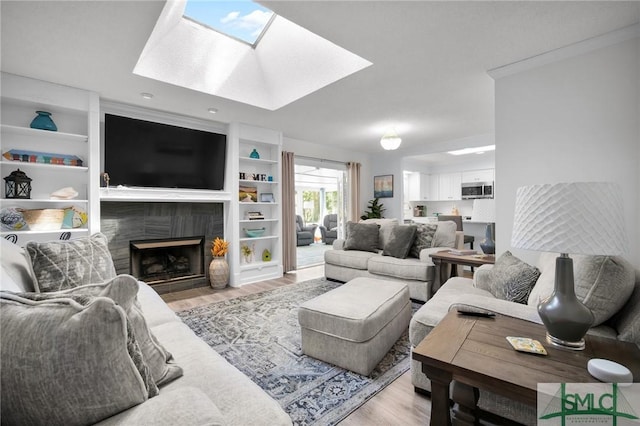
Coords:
pixel 254 154
pixel 488 245
pixel 43 121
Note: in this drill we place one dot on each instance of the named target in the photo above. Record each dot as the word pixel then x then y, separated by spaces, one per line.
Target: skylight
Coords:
pixel 287 62
pixel 240 19
pixel 476 150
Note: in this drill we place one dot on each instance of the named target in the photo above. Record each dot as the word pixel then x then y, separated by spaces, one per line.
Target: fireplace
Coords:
pixel 160 262
pixel 123 222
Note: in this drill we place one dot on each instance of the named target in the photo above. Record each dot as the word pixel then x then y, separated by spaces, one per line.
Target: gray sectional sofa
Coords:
pixel 210 391
pixel 609 286
pixel 418 273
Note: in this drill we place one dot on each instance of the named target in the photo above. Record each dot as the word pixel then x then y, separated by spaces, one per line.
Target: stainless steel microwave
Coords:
pixel 475 190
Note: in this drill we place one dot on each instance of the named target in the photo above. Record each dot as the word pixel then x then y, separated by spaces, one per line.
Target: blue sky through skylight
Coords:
pixel 242 19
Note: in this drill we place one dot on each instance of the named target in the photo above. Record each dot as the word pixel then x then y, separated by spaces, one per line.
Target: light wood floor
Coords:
pixel 397 404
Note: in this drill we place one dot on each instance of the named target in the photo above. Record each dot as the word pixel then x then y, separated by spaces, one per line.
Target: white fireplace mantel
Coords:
pixel 167 195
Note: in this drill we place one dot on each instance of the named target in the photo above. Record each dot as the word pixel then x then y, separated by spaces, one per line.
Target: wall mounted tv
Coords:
pixel 143 153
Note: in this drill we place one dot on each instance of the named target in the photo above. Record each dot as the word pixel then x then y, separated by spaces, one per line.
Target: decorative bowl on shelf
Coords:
pixel 253 233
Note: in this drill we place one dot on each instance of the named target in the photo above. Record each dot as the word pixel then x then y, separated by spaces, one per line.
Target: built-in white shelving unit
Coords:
pixel 76 114
pixel 263 174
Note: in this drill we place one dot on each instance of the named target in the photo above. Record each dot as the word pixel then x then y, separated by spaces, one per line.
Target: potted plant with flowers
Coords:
pixel 247 252
pixel 219 268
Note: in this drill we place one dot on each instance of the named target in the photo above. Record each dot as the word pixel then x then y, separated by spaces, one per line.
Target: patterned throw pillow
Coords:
pixel 400 241
pixel 361 236
pixel 68 360
pixel 59 265
pixel 424 238
pixel 512 279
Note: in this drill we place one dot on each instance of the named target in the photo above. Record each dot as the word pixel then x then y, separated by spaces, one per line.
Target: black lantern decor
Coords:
pixel 17 185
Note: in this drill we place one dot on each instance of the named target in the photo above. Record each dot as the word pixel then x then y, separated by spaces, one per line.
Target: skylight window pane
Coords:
pixel 242 19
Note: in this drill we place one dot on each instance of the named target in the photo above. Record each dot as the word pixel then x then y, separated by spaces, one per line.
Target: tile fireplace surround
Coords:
pixel 122 222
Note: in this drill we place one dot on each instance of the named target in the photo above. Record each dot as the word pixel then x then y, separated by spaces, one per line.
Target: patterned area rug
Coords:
pixel 260 335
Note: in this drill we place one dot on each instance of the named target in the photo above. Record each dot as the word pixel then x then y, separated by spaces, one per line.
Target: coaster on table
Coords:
pixel 525 344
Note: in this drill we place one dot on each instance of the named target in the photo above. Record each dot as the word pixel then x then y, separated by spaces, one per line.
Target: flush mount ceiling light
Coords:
pixel 390 140
pixel 146 95
pixel 213 110
pixel 476 150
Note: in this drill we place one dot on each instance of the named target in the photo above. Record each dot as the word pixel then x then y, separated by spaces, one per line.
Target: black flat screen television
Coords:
pixel 148 154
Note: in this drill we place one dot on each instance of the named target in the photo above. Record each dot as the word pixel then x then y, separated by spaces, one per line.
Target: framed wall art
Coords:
pixel 383 186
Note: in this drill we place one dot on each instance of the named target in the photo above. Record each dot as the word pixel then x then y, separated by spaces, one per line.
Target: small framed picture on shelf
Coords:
pixel 255 216
pixel 267 197
pixel 248 194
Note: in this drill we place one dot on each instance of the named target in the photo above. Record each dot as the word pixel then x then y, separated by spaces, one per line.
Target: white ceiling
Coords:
pixel 428 77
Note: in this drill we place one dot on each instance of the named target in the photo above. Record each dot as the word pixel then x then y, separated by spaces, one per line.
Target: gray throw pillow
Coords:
pixel 400 241
pixel 59 265
pixel 602 283
pixel 384 233
pixel 512 279
pixel 445 235
pixel 424 238
pixel 627 320
pixel 361 236
pixel 67 362
pixel 155 355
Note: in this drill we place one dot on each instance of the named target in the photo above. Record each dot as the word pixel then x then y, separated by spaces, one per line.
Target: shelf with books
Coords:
pixel 256 179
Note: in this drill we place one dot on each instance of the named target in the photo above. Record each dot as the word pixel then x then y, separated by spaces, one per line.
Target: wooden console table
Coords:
pixel 473 351
pixel 445 257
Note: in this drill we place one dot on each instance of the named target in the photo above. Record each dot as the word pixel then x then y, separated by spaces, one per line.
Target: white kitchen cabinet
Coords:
pixel 478 176
pixel 450 186
pixel 434 187
pixel 413 183
pixel 424 187
pixel 419 189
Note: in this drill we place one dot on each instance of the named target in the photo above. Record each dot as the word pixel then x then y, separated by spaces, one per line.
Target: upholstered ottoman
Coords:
pixel 355 325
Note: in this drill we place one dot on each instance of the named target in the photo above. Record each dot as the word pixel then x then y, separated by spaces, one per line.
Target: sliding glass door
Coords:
pixel 320 192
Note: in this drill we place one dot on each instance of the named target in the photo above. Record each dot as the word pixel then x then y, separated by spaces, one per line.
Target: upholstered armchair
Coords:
pixel 304 234
pixel 329 228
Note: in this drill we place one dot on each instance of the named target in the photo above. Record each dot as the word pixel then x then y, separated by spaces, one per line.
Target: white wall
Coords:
pixel 388 163
pixel 571 119
pixel 319 151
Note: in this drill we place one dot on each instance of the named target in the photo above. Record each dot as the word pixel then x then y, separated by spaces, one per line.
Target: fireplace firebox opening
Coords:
pixel 160 261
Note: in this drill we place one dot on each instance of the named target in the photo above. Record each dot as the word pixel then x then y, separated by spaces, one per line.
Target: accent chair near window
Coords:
pixel 304 234
pixel 329 228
